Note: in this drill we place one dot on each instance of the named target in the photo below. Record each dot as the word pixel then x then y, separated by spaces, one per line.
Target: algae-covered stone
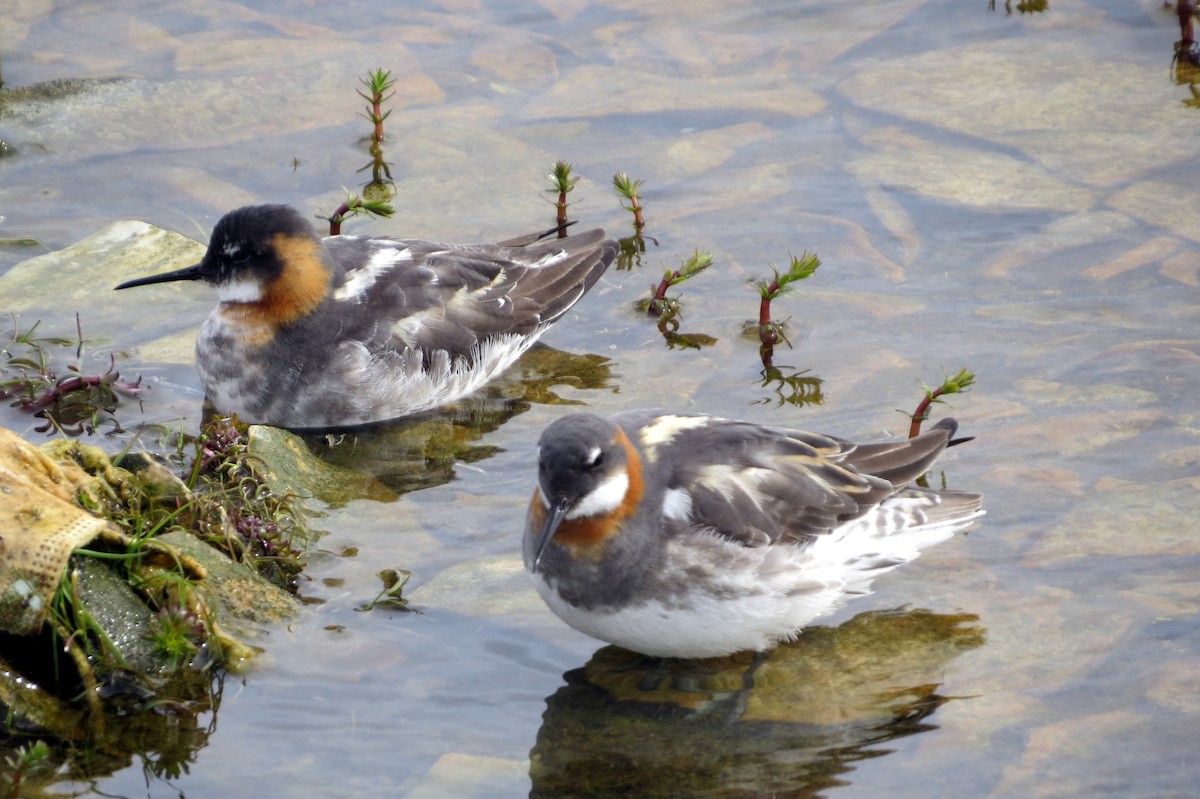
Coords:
pixel 290 469
pixel 118 610
pixel 245 602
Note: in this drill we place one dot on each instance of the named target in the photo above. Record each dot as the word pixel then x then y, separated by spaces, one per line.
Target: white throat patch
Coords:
pixel 239 291
pixel 604 498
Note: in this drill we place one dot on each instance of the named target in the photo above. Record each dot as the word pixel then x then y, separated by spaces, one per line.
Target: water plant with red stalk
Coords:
pixel 634 246
pixel 956 384
pixel 379 190
pixel 629 190
pixel 354 205
pixel 1185 48
pixel 771 332
pixel 562 183
pixel 378 83
pixel 71 403
pixel 671 277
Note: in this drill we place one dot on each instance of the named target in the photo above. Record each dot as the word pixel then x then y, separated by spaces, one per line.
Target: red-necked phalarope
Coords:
pixel 692 536
pixel 347 330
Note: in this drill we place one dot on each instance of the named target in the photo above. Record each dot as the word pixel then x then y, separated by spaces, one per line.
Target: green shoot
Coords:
pixel 672 277
pixel 355 205
pixel 629 189
pixel 562 183
pixel 955 384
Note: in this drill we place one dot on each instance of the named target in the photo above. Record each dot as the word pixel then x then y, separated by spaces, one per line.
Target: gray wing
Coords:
pixel 450 297
pixel 760 485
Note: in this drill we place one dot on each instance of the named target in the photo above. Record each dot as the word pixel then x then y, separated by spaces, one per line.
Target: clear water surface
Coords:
pixel 1010 192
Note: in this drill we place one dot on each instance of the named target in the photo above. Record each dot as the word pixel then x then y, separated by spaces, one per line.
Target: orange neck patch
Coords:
pixel 299 288
pixel 584 537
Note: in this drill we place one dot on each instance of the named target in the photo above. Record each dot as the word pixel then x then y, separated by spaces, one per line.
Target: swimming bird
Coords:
pixel 690 536
pixel 348 330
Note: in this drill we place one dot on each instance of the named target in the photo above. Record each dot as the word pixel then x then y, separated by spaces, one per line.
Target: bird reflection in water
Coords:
pixel 790 723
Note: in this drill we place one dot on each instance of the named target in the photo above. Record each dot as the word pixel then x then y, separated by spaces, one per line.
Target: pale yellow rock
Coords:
pixel 699 152
pixel 1184 456
pixel 862 247
pixel 1085 432
pixel 981 179
pixel 481 587
pixel 875 305
pixel 1162 204
pixel 1074 636
pixel 1039 250
pixel 899 222
pixel 1177 687
pixel 1017 474
pixel 464 776
pixel 1164 604
pixel 833 29
pixel 218 194
pixel 1047 767
pixel 596 91
pixel 739 188
pixel 1063 107
pixel 564 10
pixel 514 58
pixel 1183 268
pixel 20 16
pixel 1122 519
pixel 1144 254
pixel 1107 395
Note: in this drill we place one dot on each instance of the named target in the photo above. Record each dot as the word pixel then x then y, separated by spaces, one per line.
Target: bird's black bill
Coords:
pixel 554 517
pixel 192 272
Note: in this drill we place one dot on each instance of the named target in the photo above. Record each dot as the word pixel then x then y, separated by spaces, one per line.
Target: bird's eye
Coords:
pixel 236 253
pixel 594 458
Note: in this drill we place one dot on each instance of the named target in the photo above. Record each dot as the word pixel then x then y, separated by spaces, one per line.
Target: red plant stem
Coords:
pixel 562 214
pixel 922 413
pixel 660 294
pixel 767 353
pixel 64 387
pixel 764 307
pixel 377 105
pixel 335 221
pixel 639 223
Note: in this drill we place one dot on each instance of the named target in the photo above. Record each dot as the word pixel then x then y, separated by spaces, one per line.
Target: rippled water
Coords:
pixel 1013 193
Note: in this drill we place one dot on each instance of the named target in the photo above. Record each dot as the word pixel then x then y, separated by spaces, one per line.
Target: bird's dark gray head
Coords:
pixel 584 479
pixel 576 455
pixel 249 248
pixel 254 242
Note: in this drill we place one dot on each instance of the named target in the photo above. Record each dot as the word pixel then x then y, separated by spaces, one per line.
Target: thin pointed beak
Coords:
pixel 557 512
pixel 192 272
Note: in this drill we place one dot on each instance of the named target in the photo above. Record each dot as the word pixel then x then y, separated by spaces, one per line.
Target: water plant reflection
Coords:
pixel 791 386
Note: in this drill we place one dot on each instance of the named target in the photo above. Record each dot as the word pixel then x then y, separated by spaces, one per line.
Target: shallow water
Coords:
pixel 1011 193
